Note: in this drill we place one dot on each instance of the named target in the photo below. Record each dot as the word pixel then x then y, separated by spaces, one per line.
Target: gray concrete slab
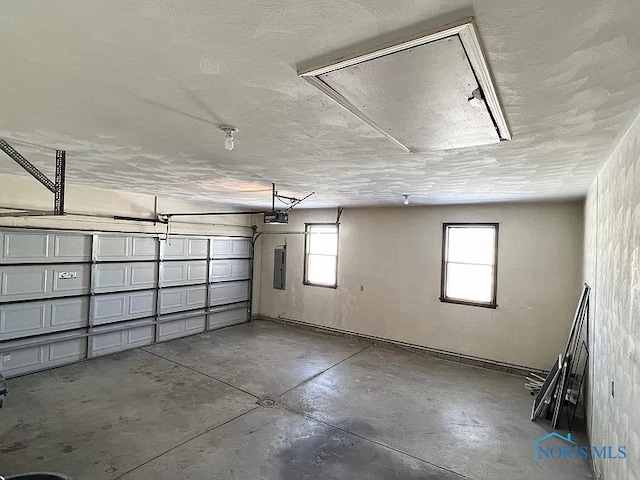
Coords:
pixel 469 420
pixel 349 410
pixel 263 358
pixel 278 444
pixel 100 418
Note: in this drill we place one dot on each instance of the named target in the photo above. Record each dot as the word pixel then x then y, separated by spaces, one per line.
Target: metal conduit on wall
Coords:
pixel 66 296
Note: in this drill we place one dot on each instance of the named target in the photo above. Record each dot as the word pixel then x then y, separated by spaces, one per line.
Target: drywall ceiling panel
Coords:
pixel 420 96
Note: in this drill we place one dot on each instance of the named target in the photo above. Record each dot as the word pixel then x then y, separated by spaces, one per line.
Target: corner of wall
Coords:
pixel 611 265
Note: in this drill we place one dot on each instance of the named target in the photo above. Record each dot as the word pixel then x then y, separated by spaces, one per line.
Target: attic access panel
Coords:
pixel 417 92
pixel 420 95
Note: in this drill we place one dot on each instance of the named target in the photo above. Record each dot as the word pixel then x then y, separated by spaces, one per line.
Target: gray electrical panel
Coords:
pixel 279 268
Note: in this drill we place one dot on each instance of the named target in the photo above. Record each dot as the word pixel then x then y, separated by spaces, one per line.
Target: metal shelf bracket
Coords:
pixel 57 186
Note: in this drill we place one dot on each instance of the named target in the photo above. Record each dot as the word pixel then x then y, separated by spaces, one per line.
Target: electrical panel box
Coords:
pixel 279 268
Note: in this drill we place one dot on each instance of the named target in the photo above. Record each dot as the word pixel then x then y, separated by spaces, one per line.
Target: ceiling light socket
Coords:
pixel 406 199
pixel 228 129
pixel 228 136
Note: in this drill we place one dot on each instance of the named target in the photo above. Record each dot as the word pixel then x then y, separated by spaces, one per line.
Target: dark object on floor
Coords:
pixel 555 392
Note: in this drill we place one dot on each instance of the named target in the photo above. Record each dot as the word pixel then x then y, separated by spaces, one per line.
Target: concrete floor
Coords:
pixel 344 409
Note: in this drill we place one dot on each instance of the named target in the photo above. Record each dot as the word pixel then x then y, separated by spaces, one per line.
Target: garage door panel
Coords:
pixel 194 325
pixel 24 282
pixel 219 270
pixel 197 271
pixel 108 307
pixel 197 247
pixel 67 351
pixel 69 313
pixel 54 284
pixel 142 303
pixel 229 292
pixel 172 300
pixel 71 279
pixel 228 247
pixel 117 307
pixel 226 270
pixel 43 247
pixel 125 247
pixel 21 319
pixel 179 248
pixel 31 282
pixel 178 299
pixel 111 277
pixel 226 318
pixel 140 336
pixel 143 275
pixel 196 296
pixel 111 247
pixel 239 291
pixel 75 248
pixel 144 248
pixel 175 326
pixel 220 247
pixel 18 246
pixel 106 340
pixel 183 273
pixel 41 317
pixel 27 359
pixel 170 329
pixel 27 356
pixel 240 247
pixel 240 269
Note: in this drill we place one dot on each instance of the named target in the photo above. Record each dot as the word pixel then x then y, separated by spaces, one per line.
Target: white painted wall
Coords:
pixel 26 192
pixel 612 268
pixel 395 255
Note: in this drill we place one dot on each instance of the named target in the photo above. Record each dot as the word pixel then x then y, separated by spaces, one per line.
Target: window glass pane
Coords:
pixel 471 244
pixel 469 282
pixel 323 239
pixel 321 269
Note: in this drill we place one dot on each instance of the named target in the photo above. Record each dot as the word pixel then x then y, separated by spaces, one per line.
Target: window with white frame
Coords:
pixel 469 263
pixel 321 254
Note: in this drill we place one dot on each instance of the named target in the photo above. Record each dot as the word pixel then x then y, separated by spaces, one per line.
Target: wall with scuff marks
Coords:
pixel 612 269
pixel 26 192
pixel 395 255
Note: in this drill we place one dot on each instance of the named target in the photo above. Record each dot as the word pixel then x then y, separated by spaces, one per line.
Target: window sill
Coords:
pixel 468 303
pixel 308 284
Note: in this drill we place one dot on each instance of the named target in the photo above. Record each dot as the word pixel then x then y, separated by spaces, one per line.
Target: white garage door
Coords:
pixel 67 296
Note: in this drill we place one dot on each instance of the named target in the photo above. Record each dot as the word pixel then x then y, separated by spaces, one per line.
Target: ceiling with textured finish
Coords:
pixel 134 91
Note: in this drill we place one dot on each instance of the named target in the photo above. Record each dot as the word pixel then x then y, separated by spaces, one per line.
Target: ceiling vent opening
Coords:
pixel 431 91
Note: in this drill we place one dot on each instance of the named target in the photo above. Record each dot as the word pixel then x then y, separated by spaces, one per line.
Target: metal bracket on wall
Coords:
pixel 56 186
